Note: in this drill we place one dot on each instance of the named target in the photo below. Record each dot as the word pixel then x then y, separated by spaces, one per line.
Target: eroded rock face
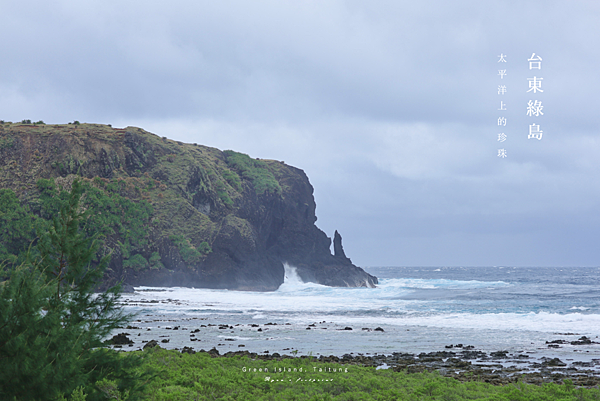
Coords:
pixel 219 219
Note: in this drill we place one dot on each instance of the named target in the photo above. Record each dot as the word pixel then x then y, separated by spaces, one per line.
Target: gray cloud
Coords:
pixel 390 108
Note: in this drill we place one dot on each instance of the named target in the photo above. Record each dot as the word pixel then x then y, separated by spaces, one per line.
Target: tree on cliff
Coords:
pixel 52 324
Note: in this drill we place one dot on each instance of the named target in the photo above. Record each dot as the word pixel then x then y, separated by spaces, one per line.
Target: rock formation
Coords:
pixel 189 215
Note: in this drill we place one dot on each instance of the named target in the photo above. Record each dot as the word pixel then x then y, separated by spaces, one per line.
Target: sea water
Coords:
pixel 419 309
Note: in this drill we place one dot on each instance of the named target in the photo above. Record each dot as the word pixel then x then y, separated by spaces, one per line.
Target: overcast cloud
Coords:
pixel 390 107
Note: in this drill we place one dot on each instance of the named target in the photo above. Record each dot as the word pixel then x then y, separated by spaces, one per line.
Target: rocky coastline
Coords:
pixel 459 361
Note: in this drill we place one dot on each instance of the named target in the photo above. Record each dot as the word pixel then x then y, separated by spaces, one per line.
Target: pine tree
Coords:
pixel 52 325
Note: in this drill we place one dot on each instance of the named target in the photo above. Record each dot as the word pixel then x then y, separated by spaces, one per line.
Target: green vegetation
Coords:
pixel 233 179
pixel 52 326
pixel 182 376
pixel 188 252
pixel 17 227
pixel 155 262
pixel 112 213
pixel 136 262
pixel 256 171
pixel 7 142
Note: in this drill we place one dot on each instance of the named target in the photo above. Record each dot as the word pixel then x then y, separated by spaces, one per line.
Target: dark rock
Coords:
pixel 554 362
pixel 557 342
pixel 582 341
pixel 120 339
pixel 151 344
pixel 127 288
pixel 474 355
pixel 165 340
pixel 338 249
pixel 499 354
pixel 379 329
pixel 347 328
pixel 188 350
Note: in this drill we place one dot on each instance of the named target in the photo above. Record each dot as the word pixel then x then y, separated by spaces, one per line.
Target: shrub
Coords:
pixel 136 262
pixel 187 251
pixel 256 171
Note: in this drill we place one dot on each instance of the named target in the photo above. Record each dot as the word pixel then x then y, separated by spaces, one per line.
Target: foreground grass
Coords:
pixel 179 376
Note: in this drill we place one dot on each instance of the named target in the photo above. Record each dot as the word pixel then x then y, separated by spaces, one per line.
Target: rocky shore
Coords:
pixel 459 361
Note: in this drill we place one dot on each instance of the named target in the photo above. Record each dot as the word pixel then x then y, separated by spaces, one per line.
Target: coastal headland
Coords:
pixel 176 214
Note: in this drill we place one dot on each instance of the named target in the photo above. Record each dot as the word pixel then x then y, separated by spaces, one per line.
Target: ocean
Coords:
pixel 412 310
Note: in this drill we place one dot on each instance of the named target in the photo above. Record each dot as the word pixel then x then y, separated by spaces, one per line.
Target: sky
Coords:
pixel 390 107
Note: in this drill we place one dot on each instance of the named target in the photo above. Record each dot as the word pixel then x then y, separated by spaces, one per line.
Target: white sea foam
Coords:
pixel 393 303
pixel 296 296
pixel 540 322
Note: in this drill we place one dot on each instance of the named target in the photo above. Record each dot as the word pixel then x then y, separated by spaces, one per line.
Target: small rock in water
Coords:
pixel 379 329
pixel 120 339
pixel 554 362
pixel 499 354
pixel 151 344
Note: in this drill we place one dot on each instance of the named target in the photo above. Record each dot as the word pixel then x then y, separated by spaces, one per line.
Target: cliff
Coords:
pixel 175 214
